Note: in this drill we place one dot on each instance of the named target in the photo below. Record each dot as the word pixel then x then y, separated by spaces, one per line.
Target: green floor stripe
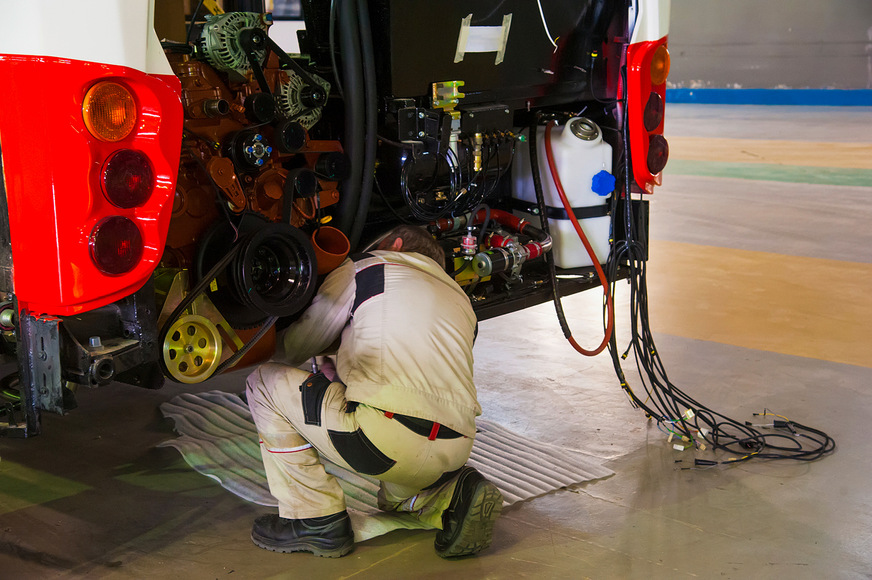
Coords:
pixel 22 487
pixel 767 172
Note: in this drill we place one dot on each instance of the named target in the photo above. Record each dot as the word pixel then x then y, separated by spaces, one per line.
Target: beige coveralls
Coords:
pixel 405 361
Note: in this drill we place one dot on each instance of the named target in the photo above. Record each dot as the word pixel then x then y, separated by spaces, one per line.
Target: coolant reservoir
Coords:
pixel 584 164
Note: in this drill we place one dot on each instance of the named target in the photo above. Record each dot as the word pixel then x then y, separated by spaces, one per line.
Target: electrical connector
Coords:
pixel 785 425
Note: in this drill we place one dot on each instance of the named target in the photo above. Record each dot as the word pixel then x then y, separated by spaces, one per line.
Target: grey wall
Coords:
pixel 771 44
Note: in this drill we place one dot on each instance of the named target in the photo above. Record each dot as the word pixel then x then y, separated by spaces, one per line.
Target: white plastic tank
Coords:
pixel 584 164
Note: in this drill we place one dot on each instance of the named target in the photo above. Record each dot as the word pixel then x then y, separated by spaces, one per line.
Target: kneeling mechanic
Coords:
pixel 400 404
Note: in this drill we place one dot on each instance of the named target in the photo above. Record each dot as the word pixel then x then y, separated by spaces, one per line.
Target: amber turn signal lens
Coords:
pixel 109 111
pixel 660 65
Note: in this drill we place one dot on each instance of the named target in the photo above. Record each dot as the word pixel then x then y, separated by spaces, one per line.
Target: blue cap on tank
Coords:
pixel 603 183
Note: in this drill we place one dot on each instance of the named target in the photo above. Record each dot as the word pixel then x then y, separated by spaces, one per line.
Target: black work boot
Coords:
pixel 468 523
pixel 327 536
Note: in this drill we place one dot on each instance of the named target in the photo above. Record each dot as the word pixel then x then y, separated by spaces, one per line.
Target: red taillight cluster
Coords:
pixel 127 179
pixel 89 208
pixel 648 67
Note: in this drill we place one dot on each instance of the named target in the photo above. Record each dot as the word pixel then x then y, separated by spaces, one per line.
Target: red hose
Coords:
pixel 549 154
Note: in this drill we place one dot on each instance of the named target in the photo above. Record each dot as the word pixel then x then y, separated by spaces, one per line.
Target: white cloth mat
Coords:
pixel 218 439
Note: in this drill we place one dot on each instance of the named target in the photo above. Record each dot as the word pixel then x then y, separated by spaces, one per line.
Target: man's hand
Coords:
pixel 328 368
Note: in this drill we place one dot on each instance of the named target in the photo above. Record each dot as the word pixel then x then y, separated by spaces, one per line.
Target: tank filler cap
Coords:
pixel 584 129
pixel 603 183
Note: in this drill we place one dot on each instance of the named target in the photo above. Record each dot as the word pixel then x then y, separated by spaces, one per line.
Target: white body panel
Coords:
pixel 115 32
pixel 284 32
pixel 652 20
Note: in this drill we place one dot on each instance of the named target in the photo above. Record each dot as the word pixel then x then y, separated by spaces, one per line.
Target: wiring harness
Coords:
pixel 688 423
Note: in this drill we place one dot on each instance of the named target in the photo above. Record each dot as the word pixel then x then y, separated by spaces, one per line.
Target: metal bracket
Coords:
pixel 414 124
pixel 39 367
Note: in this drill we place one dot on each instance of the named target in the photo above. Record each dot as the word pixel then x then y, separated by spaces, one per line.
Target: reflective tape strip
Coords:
pixel 287 449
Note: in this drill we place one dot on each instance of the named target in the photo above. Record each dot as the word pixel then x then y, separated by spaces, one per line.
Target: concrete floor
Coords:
pixel 761 260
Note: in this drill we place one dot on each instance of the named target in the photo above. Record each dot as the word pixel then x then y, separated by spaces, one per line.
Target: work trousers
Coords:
pixel 299 418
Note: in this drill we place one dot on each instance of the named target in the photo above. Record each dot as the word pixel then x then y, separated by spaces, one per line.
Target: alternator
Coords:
pixel 299 102
pixel 219 41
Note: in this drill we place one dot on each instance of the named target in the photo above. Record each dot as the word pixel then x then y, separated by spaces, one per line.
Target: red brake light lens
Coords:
pixel 658 154
pixel 128 178
pixel 653 115
pixel 116 245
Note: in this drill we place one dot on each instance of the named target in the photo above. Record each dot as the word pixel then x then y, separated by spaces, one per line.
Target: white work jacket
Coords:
pixel 407 330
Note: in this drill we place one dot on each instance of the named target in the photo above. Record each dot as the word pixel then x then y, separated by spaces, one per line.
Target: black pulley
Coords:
pixel 249 150
pixel 301 183
pixel 273 274
pixel 290 136
pixel 260 108
pixel 334 166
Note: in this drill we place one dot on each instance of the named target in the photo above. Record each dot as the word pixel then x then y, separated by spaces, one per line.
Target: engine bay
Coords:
pixel 290 162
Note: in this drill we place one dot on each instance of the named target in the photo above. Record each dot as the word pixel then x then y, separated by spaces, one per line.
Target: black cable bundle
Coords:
pixel 676 412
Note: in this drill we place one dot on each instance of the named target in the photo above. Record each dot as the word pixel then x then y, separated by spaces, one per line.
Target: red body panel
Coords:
pixel 52 167
pixel 639 87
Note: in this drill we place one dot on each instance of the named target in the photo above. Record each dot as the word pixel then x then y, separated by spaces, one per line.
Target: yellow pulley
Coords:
pixel 192 349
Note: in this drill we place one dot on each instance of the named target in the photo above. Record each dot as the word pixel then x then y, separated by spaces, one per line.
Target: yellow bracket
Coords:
pixel 212 6
pixel 201 306
pixel 446 95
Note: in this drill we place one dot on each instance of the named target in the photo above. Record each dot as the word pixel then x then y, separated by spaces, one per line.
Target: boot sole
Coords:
pixel 303 546
pixel 476 529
